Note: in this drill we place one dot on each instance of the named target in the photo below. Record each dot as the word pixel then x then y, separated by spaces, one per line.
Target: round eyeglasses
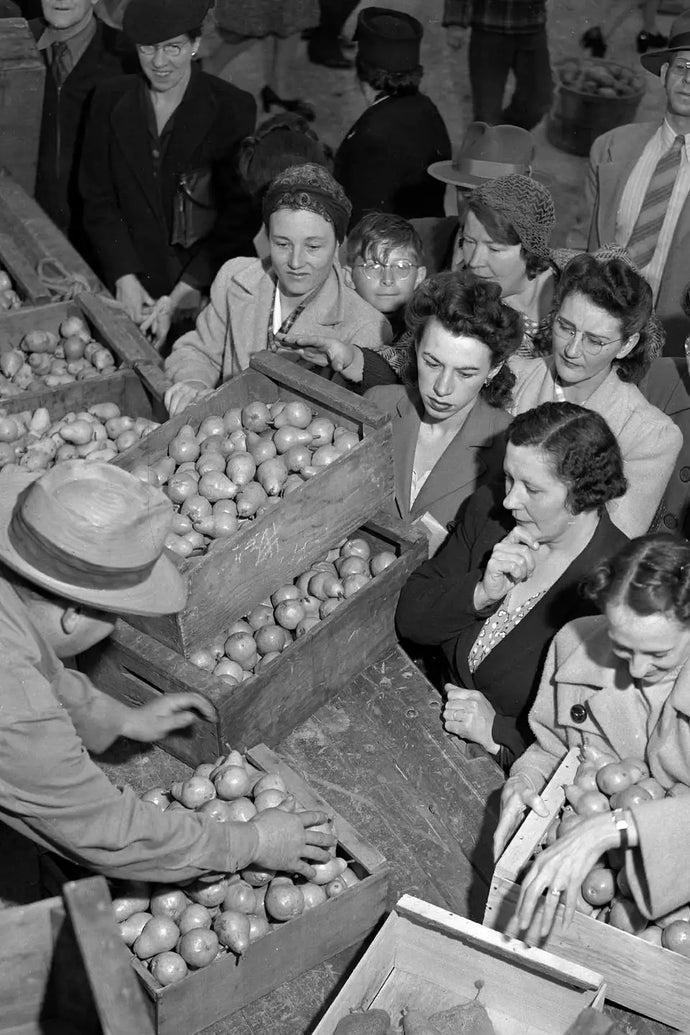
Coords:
pixel 591 344
pixel 171 50
pixel 401 269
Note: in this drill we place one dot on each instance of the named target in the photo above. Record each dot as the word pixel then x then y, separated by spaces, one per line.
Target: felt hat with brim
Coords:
pixel 91 533
pixel 388 39
pixel 486 153
pixel 679 39
pixel 148 22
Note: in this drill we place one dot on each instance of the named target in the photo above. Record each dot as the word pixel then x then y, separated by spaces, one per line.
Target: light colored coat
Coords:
pixel 234 325
pixel 648 439
pixel 658 870
pixel 581 669
pixel 612 159
pixel 474 456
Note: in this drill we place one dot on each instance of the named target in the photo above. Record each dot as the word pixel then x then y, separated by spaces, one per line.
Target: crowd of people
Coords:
pixel 539 401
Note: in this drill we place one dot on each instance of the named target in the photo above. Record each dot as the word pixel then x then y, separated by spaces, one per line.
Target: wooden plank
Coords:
pixel 22 219
pixel 22 73
pixel 26 948
pixel 25 280
pixel 118 997
pixel 121 387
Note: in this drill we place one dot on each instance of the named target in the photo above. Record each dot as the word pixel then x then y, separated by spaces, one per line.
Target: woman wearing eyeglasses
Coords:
pixel 448 425
pixel 163 202
pixel 603 340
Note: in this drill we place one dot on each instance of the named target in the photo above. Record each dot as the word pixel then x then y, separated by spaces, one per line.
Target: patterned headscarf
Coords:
pixel 311 188
pixel 526 204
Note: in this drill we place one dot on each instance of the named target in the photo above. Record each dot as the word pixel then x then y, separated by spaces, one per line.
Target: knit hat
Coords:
pixel 526 204
pixel 148 22
pixel 310 188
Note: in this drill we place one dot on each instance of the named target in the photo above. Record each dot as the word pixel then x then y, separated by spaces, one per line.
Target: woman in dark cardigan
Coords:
pixel 507 579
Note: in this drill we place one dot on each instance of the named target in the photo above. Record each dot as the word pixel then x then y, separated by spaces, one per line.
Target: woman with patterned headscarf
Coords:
pixel 255 303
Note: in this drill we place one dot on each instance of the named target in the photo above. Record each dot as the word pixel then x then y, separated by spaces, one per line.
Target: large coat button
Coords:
pixel 578 713
pixel 685 474
pixel 671 521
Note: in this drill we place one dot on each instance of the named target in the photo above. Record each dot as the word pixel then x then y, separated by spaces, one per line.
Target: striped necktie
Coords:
pixel 645 235
pixel 61 62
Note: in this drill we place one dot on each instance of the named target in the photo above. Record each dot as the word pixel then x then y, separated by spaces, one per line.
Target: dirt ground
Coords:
pixel 339 102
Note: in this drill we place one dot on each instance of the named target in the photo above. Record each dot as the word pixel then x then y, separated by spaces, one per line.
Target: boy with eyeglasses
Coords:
pixel 385 261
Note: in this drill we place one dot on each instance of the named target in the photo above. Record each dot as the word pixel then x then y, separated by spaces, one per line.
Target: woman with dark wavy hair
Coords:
pixel 448 424
pixel 604 336
pixel 617 685
pixel 508 577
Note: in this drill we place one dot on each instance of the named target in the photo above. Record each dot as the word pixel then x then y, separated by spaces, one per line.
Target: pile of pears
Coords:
pixel 9 299
pixel 603 783
pixel 239 465
pixel 253 642
pixel 470 1018
pixel 175 930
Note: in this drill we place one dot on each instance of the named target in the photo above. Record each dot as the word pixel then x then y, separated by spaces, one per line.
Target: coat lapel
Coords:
pixel 461 462
pixel 130 130
pixel 613 176
pixel 404 445
pixel 193 121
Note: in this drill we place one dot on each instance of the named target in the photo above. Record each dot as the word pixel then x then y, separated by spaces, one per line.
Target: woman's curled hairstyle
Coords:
pixel 651 575
pixel 583 451
pixel 464 304
pixel 613 285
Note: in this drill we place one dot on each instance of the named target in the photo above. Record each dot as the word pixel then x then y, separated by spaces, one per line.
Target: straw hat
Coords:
pixel 486 153
pixel 92 533
pixel 679 39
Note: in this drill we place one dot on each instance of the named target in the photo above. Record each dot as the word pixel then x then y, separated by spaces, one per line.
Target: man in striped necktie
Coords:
pixel 639 188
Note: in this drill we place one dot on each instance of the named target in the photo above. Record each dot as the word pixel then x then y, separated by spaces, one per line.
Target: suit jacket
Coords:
pixel 611 161
pixel 438 237
pixel 382 161
pixel 666 386
pixel 63 125
pixel 648 439
pixel 235 323
pixel 474 457
pixel 436 607
pixel 581 669
pixel 129 215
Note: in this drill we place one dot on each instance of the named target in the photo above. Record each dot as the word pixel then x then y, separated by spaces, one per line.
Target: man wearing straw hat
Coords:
pixel 638 187
pixel 78 545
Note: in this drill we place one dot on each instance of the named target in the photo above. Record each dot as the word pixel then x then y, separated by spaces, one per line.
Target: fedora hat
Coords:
pixel 92 533
pixel 486 153
pixel 388 39
pixel 679 39
pixel 147 22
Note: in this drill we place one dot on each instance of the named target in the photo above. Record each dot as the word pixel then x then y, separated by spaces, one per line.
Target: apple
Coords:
pixel 615 777
pixel 592 803
pixel 676 937
pixel 634 795
pixel 626 916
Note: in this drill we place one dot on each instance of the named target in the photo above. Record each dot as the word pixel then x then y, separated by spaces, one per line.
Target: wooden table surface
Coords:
pixel 378 753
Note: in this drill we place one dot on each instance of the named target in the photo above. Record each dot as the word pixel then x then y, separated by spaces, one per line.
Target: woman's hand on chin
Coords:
pixel 511 561
pixel 468 714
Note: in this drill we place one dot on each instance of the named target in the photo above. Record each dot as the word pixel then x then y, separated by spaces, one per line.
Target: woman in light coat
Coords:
pixel 619 684
pixel 300 291
pixel 602 345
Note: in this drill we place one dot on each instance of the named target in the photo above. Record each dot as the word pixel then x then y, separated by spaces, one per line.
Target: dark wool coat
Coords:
pixel 436 608
pixel 129 212
pixel 382 161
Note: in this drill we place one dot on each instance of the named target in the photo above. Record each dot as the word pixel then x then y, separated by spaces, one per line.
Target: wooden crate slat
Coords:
pixel 114 326
pixel 22 219
pixel 25 279
pixel 122 387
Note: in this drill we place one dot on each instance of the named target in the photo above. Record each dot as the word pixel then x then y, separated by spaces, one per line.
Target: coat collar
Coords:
pixel 257 281
pixel 459 464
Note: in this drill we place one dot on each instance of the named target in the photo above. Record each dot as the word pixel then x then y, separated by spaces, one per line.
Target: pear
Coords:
pixel 272 475
pixel 232 929
pixel 131 928
pixel 249 499
pixel 159 935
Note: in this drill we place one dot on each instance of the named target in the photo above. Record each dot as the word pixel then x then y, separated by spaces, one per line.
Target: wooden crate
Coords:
pixel 64 968
pixel 135 668
pixel 237 572
pixel 34 236
pixel 22 73
pixel 108 325
pixel 229 984
pixel 429 959
pixel 639 976
pixel 25 280
pixel 122 387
